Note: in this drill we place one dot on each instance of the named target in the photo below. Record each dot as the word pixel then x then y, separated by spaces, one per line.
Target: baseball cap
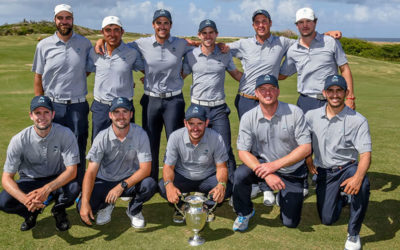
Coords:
pixel 41 101
pixel 208 23
pixel 120 102
pixel 111 20
pixel 335 80
pixel 262 12
pixel 266 79
pixel 195 111
pixel 305 13
pixel 162 12
pixel 62 7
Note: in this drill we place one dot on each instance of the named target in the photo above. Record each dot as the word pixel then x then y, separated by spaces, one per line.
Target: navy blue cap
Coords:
pixel 41 101
pixel 335 80
pixel 267 79
pixel 121 102
pixel 162 13
pixel 262 12
pixel 195 111
pixel 208 23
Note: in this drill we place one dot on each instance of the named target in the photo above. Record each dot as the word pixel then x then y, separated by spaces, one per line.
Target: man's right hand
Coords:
pixel 99 47
pixel 173 193
pixel 275 182
pixel 86 214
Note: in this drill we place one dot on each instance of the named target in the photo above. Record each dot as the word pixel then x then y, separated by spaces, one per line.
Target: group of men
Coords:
pixel 275 143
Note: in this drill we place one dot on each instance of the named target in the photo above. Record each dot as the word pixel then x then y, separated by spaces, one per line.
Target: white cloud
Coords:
pixel 215 12
pixel 286 11
pixel 196 14
pixel 247 8
pixel 360 14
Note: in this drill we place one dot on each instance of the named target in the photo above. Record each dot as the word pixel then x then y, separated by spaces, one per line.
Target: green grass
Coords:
pixel 377 88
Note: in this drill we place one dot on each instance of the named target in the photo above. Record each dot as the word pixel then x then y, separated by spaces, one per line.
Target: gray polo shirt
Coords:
pixel 273 139
pixel 208 73
pixel 162 63
pixel 259 59
pixel 313 65
pixel 119 159
pixel 195 162
pixel 35 157
pixel 63 66
pixel 339 140
pixel 114 73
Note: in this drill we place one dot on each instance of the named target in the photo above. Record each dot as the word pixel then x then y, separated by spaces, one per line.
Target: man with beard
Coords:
pixel 208 65
pixel 60 73
pixel 45 156
pixel 340 136
pixel 273 142
pixel 119 164
pixel 113 73
pixel 195 161
pixel 162 102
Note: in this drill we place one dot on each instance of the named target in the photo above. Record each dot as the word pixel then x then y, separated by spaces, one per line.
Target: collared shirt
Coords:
pixel 313 65
pixel 208 73
pixel 36 157
pixel 114 73
pixel 119 159
pixel 63 66
pixel 162 63
pixel 338 140
pixel 195 162
pixel 273 139
pixel 259 59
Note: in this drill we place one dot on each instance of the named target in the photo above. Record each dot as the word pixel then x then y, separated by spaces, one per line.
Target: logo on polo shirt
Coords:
pixel 173 49
pixel 78 50
pixel 55 149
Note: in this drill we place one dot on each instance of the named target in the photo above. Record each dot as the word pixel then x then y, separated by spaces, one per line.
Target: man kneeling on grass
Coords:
pixel 45 156
pixel 119 165
pixel 195 161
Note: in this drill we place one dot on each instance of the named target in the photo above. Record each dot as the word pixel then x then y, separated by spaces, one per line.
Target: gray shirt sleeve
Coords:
pixel 340 56
pixel 38 60
pixel 96 152
pixel 70 150
pixel 245 138
pixel 220 153
pixel 302 132
pixel 362 139
pixel 186 68
pixel 288 67
pixel 14 155
pixel 138 65
pixel 91 67
pixel 144 153
pixel 231 65
pixel 172 152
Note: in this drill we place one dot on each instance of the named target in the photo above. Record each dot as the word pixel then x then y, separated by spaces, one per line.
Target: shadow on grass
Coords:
pixel 380 180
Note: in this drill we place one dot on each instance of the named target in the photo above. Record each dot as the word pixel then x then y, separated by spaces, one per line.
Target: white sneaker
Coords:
pixel 269 198
pixel 126 198
pixel 305 192
pixel 255 189
pixel 137 220
pixel 242 222
pixel 104 215
pixel 353 243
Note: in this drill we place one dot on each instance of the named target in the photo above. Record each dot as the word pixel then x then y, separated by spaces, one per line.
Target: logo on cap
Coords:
pixel 335 79
pixel 162 12
pixel 41 99
pixel 120 100
pixel 195 110
pixel 267 78
pixel 208 22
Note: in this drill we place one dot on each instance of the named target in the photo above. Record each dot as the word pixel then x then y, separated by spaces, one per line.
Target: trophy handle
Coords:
pixel 177 208
pixel 209 196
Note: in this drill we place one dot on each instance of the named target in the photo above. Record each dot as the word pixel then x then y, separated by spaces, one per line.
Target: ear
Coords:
pixel 110 115
pixel 122 31
pixel 31 115
pixel 185 122
pixel 131 114
pixel 207 121
pixel 324 93
pixel 54 113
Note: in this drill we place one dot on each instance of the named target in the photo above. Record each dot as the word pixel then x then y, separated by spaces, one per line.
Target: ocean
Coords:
pixel 371 39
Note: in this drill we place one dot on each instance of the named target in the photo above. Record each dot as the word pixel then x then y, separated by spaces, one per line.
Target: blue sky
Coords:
pixel 355 18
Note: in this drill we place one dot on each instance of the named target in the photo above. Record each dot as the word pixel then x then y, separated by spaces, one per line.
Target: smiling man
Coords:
pixel 273 142
pixel 45 156
pixel 113 72
pixel 60 67
pixel 195 161
pixel 119 165
pixel 208 65
pixel 340 136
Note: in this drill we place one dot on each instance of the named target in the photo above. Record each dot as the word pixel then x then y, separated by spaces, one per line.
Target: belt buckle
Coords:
pixel 68 101
pixel 163 95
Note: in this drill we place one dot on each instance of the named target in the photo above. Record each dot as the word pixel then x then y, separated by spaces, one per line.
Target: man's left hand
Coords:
pixel 265 169
pixel 352 185
pixel 40 195
pixel 114 194
pixel 218 193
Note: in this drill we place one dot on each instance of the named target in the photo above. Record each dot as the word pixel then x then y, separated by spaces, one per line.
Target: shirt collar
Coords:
pixel 269 40
pixel 154 41
pixel 186 138
pixel 279 112
pixel 57 39
pixel 113 137
pixel 317 39
pixel 341 116
pixel 216 51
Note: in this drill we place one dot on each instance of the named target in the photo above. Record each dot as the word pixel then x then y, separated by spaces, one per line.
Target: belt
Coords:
pixel 338 168
pixel 163 95
pixel 248 96
pixel 208 103
pixel 106 102
pixel 72 101
pixel 320 97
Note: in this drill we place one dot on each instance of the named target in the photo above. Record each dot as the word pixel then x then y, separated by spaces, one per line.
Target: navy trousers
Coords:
pixel 100 117
pixel 157 112
pixel 186 186
pixel 64 197
pixel 330 202
pixel 244 104
pixel 75 117
pixel 140 193
pixel 290 198
pixel 307 103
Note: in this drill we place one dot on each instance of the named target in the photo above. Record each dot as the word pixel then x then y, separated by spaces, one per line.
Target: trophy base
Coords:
pixel 196 240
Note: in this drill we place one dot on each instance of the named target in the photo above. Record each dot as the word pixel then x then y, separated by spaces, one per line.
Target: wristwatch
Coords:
pixel 124 185
pixel 166 183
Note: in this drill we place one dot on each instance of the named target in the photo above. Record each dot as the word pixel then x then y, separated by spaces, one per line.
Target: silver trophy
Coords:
pixel 195 215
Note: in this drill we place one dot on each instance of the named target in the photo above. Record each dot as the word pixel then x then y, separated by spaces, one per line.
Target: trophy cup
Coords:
pixel 195 215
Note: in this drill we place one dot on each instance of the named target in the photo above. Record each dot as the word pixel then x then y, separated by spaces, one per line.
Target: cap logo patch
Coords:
pixel 162 11
pixel 267 78
pixel 120 100
pixel 335 79
pixel 41 99
pixel 195 110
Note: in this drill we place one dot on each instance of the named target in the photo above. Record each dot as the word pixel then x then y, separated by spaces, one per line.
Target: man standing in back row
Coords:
pixel 60 73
